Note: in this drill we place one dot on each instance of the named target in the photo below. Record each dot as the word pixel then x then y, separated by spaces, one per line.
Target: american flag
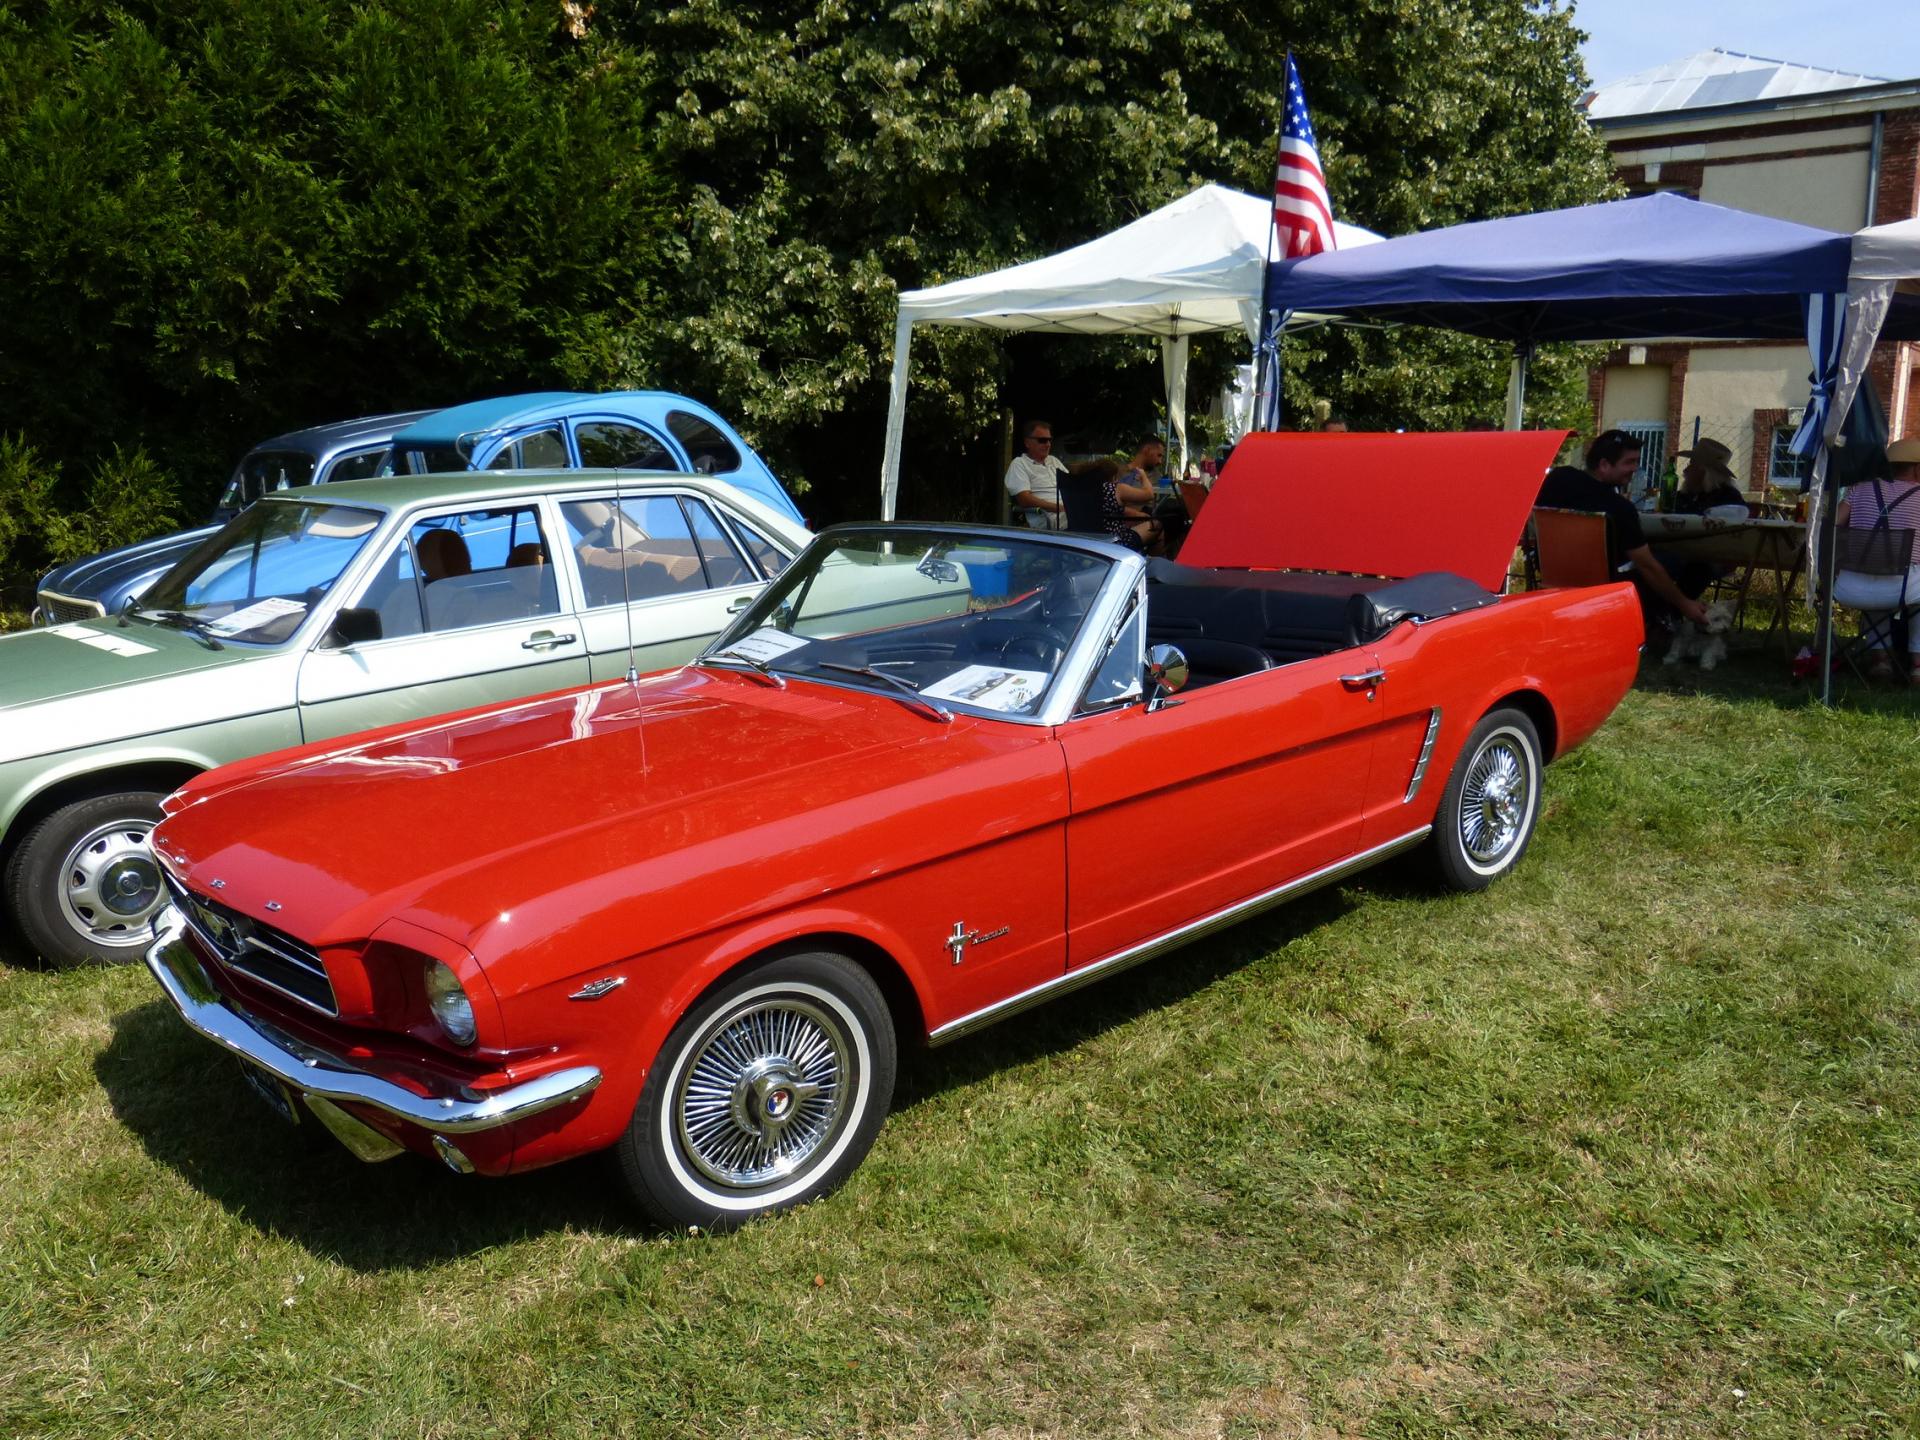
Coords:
pixel 1302 214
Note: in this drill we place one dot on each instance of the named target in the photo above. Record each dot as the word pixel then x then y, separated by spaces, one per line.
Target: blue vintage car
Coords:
pixel 561 430
pixel 558 430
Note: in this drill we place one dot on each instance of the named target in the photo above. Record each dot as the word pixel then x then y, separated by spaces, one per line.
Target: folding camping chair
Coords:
pixel 1880 553
pixel 1571 546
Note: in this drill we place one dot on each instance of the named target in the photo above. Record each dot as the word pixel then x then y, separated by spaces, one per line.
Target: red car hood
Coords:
pixel 1394 505
pixel 456 825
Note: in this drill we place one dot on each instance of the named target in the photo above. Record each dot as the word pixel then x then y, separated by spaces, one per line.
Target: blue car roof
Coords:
pixel 445 426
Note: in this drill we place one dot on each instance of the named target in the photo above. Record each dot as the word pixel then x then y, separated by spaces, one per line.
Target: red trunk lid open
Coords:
pixel 1395 505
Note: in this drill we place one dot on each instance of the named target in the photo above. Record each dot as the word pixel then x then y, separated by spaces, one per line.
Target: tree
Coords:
pixel 221 220
pixel 836 154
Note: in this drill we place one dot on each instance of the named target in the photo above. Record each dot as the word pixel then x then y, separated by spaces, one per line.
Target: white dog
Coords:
pixel 1708 643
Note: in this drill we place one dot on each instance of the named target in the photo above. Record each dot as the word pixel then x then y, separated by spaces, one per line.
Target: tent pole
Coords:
pixel 1823 609
pixel 1173 360
pixel 1517 386
pixel 896 417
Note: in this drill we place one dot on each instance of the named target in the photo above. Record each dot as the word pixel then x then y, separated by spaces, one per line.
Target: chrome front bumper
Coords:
pixel 315 1073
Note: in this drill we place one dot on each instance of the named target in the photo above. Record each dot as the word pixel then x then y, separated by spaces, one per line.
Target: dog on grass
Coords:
pixel 1705 643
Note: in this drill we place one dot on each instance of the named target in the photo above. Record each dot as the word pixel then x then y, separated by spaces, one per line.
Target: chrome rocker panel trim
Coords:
pixel 1173 939
pixel 314 1072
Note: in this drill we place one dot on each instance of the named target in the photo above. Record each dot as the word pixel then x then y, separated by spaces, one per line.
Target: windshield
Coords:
pixel 256 580
pixel 262 472
pixel 954 620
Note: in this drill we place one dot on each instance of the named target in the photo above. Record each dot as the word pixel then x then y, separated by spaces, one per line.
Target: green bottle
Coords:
pixel 1669 486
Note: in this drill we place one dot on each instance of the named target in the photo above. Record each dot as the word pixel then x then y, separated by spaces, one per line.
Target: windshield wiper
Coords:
pixel 910 692
pixel 759 667
pixel 180 620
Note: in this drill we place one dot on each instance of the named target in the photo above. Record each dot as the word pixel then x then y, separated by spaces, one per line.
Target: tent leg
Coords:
pixel 896 418
pixel 1173 359
pixel 1517 388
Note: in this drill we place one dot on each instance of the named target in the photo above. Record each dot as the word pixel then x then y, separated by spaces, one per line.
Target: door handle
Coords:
pixel 1365 680
pixel 736 606
pixel 546 640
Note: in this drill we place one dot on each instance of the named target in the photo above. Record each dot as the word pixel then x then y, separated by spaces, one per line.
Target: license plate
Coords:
pixel 278 1098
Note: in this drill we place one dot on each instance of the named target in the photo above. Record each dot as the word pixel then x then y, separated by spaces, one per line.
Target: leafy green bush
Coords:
pixel 127 498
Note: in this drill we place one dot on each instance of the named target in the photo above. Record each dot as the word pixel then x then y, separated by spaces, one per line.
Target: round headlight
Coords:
pixel 449 1003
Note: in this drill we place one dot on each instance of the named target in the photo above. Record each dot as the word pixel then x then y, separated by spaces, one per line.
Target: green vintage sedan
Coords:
pixel 332 609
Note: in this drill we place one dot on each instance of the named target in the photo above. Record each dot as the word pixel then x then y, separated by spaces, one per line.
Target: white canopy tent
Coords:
pixel 1190 268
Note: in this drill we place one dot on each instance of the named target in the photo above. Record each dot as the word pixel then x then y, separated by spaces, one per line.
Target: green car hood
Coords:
pixel 67 686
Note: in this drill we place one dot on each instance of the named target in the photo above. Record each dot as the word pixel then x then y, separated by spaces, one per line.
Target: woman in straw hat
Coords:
pixel 1708 479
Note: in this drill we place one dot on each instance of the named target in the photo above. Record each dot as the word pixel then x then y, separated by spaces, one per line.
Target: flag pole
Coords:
pixel 1266 349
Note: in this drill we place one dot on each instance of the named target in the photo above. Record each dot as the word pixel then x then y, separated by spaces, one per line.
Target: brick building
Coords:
pixel 1816 146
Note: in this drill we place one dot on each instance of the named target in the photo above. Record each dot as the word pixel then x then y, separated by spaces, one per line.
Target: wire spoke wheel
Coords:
pixel 763 1093
pixel 1492 799
pixel 768 1093
pixel 1496 797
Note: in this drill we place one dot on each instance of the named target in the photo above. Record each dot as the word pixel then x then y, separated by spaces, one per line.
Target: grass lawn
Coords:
pixel 1626 1146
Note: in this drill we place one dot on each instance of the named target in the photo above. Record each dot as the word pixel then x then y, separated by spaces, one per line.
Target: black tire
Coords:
pixel 716 1159
pixel 1492 800
pixel 83 885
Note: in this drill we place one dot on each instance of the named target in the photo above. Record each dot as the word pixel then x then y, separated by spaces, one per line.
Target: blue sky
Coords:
pixel 1870 37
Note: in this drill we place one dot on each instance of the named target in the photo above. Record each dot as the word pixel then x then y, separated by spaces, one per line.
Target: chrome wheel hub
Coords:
pixel 763 1093
pixel 110 886
pixel 1494 802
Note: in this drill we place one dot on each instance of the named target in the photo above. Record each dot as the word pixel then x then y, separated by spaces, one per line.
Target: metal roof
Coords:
pixel 1715 77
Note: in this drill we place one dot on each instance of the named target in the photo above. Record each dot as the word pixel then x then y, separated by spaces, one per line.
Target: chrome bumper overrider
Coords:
pixel 314 1072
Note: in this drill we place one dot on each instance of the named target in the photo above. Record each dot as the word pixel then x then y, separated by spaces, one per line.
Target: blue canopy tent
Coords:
pixel 1658 266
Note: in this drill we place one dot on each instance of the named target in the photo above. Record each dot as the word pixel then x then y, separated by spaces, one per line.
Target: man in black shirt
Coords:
pixel 1600 489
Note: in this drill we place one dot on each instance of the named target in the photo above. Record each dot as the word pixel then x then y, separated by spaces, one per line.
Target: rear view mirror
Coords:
pixel 355 626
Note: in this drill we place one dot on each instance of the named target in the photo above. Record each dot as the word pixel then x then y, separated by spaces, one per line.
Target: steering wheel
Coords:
pixel 1045 645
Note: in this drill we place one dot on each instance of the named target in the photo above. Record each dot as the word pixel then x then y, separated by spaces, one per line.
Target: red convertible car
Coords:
pixel 691 917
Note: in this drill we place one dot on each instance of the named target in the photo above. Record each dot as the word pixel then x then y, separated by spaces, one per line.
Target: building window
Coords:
pixel 1784 468
pixel 1652 435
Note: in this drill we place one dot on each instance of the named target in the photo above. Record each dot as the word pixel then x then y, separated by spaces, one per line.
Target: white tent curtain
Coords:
pixel 1193 267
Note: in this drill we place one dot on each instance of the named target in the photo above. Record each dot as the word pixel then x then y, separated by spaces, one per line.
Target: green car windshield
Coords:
pixel 257 579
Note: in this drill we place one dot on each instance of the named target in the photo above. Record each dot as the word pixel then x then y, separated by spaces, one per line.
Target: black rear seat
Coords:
pixel 1290 615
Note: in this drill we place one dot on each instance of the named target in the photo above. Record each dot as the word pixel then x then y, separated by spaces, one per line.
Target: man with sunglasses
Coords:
pixel 1033 479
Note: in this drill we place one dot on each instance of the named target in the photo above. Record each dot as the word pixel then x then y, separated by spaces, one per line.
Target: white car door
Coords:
pixel 671 562
pixel 472 609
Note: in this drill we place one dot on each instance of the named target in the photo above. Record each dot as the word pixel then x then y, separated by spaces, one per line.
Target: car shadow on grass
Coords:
pixel 189 1108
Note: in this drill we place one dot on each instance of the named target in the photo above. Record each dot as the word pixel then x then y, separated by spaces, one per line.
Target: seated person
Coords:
pixel 1600 489
pixel 1896 505
pixel 1033 479
pixel 1707 481
pixel 1123 513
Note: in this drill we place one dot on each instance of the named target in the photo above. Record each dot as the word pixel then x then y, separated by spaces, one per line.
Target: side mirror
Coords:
pixel 353 626
pixel 1166 675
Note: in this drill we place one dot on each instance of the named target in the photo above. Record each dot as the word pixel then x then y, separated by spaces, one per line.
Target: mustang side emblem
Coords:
pixel 594 989
pixel 963 937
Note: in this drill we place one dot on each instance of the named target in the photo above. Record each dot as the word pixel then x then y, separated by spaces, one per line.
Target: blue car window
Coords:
pixel 542 450
pixel 709 451
pixel 723 562
pixel 607 445
pixel 649 554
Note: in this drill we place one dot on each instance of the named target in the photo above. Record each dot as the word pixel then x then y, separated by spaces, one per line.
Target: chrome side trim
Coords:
pixel 314 1072
pixel 1426 757
pixel 1173 939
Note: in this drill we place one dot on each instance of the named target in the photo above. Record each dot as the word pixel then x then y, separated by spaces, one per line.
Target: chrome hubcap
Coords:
pixel 110 886
pixel 1494 801
pixel 763 1093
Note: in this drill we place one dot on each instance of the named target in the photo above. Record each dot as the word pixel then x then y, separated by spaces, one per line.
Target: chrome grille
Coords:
pixel 258 951
pixel 60 610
